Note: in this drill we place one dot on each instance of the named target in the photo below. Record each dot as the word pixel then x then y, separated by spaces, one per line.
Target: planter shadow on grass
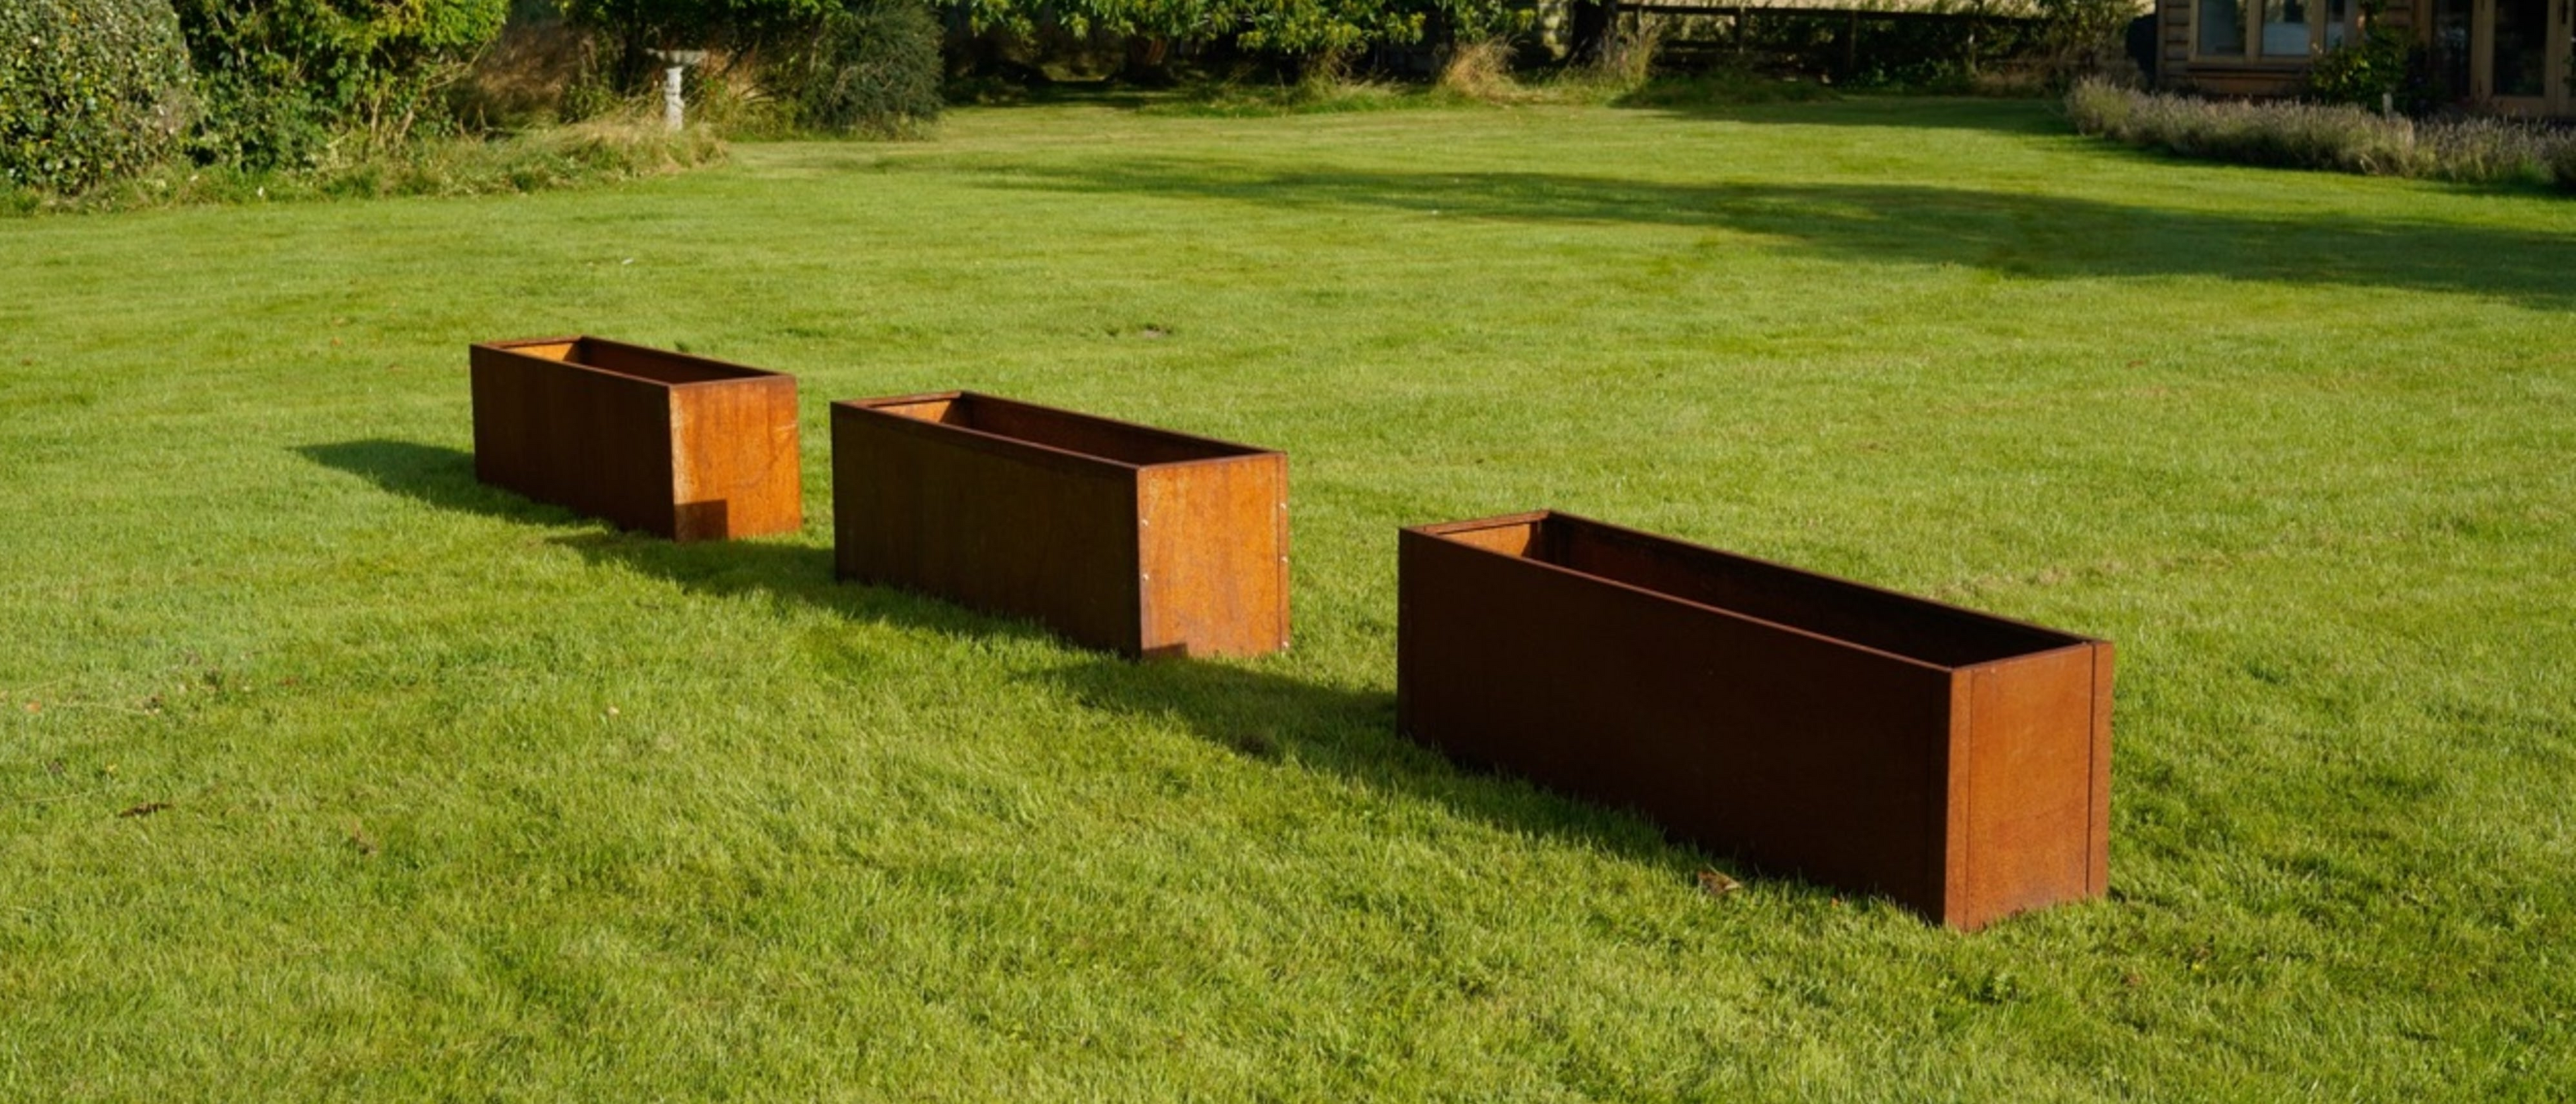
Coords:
pixel 444 478
pixel 1252 712
pixel 1351 733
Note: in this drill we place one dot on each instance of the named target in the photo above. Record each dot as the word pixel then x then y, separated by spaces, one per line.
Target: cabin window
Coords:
pixel 2222 28
pixel 2521 47
pixel 2274 30
pixel 2285 28
pixel 2451 27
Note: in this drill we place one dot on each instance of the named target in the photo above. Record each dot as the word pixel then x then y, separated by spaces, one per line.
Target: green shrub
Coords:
pixel 2383 67
pixel 285 79
pixel 627 31
pixel 90 90
pixel 2081 39
pixel 835 66
pixel 2563 167
pixel 871 67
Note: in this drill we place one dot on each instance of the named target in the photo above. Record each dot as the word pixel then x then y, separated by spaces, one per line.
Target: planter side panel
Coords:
pixel 1214 539
pixel 2023 787
pixel 738 472
pixel 1000 527
pixel 1797 753
pixel 2097 878
pixel 599 444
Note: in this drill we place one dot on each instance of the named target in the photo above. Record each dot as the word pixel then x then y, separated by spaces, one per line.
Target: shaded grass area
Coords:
pixel 2018 235
pixel 459 795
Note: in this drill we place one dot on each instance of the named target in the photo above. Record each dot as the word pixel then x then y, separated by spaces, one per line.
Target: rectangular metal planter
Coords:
pixel 1118 536
pixel 668 443
pixel 1957 762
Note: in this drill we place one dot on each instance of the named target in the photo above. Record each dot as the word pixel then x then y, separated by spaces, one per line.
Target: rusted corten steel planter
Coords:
pixel 668 443
pixel 1118 536
pixel 1958 763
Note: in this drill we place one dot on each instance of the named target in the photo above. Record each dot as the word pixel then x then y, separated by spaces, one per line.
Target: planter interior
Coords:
pixel 617 357
pixel 1741 586
pixel 1062 430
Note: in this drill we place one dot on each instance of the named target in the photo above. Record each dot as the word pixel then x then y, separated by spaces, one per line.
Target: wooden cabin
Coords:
pixel 2508 57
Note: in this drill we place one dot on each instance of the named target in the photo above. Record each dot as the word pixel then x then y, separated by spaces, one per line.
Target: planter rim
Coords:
pixel 1441 531
pixel 875 406
pixel 514 346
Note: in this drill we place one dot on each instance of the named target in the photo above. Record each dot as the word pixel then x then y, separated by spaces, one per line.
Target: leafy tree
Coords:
pixel 640 25
pixel 1293 27
pixel 845 66
pixel 2383 65
pixel 2080 38
pixel 283 77
pixel 869 68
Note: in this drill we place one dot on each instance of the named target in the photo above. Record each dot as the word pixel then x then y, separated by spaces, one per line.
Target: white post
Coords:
pixel 671 97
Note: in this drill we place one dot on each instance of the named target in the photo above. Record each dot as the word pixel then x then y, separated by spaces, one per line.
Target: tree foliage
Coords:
pixel 871 67
pixel 842 66
pixel 2082 38
pixel 283 77
pixel 1310 27
pixel 2384 65
pixel 695 24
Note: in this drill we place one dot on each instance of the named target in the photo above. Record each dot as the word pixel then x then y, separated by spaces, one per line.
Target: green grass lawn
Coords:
pixel 459 797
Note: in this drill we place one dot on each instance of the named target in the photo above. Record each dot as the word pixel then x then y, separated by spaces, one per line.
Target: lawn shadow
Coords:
pixel 1351 733
pixel 1893 110
pixel 794 573
pixel 439 476
pixel 1259 714
pixel 2009 233
pixel 1041 92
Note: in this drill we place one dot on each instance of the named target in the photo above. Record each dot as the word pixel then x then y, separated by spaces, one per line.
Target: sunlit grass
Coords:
pixel 436 793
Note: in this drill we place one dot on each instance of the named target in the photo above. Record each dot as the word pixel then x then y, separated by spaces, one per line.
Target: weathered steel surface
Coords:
pixel 668 443
pixel 1118 536
pixel 1957 762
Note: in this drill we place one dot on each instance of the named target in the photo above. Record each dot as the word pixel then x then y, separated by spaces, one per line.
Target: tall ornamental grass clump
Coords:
pixel 90 90
pixel 2339 138
pixel 870 68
